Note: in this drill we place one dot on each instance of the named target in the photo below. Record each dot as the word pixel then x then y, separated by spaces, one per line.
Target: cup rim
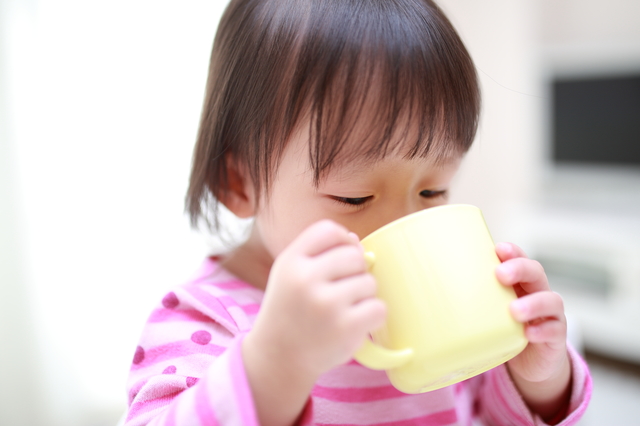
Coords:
pixel 411 216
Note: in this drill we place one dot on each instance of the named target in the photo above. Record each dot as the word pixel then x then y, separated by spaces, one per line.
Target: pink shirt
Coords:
pixel 188 370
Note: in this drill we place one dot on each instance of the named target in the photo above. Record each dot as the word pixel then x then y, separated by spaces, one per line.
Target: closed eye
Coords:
pixel 427 193
pixel 352 201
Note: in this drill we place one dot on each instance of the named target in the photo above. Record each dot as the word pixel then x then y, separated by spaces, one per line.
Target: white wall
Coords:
pixel 105 99
pixel 20 396
pixel 501 172
pixel 589 21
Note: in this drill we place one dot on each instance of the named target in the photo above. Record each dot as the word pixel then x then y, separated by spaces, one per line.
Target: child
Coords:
pixel 324 120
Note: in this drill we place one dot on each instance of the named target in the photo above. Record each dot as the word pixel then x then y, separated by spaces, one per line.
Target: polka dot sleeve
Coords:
pixel 187 368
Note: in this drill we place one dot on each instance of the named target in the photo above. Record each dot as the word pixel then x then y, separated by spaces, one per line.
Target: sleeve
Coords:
pixel 188 370
pixel 502 404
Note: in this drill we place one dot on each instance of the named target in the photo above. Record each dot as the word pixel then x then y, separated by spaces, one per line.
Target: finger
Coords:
pixel 550 332
pixel 543 304
pixel 355 289
pixel 321 236
pixel 506 251
pixel 526 272
pixel 367 315
pixel 341 262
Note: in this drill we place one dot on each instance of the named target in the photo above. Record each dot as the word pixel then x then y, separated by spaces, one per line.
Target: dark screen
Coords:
pixel 597 120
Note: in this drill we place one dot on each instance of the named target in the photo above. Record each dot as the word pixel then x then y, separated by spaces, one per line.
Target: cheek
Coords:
pixel 279 227
pixel 275 235
pixel 293 205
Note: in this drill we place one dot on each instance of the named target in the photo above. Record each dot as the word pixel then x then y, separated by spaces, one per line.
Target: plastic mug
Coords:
pixel 448 316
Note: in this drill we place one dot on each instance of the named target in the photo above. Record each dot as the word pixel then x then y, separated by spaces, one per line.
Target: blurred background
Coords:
pixel 99 106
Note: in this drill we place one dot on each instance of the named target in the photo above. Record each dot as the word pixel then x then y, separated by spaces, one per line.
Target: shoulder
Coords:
pixel 213 294
pixel 193 324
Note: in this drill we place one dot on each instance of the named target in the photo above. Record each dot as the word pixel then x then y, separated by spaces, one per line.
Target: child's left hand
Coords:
pixel 542 370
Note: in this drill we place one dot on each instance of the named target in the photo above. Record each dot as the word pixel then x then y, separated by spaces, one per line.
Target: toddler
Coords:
pixel 324 120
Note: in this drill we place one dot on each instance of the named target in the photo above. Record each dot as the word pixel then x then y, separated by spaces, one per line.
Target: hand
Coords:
pixel 541 371
pixel 319 306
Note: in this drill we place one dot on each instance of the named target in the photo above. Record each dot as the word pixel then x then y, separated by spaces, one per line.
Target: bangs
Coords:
pixel 380 77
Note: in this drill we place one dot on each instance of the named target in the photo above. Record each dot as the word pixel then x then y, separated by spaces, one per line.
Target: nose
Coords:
pixel 412 205
pixel 401 210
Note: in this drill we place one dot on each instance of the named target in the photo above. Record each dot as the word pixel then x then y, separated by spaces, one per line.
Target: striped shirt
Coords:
pixel 188 370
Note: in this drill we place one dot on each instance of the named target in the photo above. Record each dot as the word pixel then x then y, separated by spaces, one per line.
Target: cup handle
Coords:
pixel 370 258
pixel 378 358
pixel 375 356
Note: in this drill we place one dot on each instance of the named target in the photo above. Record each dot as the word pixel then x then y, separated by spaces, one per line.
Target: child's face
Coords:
pixel 362 197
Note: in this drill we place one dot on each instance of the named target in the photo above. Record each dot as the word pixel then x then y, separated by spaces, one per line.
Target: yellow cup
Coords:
pixel 448 316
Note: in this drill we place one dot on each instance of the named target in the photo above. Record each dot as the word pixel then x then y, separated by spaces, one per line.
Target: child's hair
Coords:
pixel 332 65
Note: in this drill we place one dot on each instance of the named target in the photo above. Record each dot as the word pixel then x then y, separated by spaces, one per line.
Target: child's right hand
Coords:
pixel 318 307
pixel 320 301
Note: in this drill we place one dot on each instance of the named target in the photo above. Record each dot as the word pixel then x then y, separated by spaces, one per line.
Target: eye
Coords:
pixel 352 201
pixel 428 193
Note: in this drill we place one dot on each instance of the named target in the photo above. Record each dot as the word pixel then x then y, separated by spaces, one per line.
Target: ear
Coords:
pixel 239 196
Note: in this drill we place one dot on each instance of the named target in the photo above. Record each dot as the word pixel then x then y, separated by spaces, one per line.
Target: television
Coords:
pixel 596 120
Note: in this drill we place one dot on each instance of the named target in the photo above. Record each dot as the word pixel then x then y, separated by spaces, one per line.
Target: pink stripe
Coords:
pixel 165 315
pixel 204 408
pixel 232 285
pixel 150 405
pixel 356 394
pixel 251 309
pixel 206 272
pixel 241 385
pixel 435 419
pixel 503 404
pixel 212 303
pixel 500 388
pixel 176 350
pixel 229 302
pixel 347 375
